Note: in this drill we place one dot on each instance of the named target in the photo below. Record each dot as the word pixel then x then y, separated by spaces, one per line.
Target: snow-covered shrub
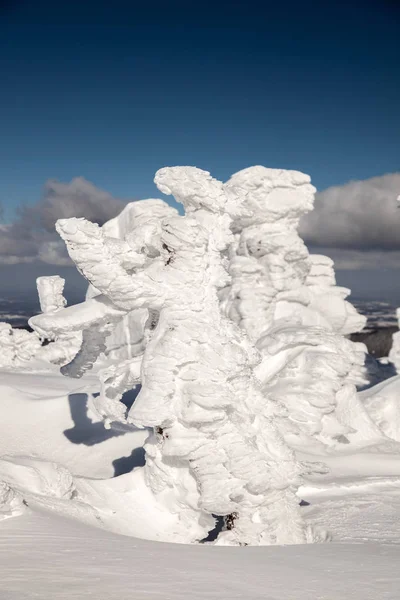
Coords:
pixel 62 348
pixel 215 448
pixel 18 346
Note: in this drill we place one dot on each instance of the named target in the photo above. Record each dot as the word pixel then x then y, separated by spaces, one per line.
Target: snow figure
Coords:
pixel 270 257
pixel 394 354
pixel 309 370
pixel 328 299
pixel 278 294
pixel 62 348
pixel 215 449
pixel 18 346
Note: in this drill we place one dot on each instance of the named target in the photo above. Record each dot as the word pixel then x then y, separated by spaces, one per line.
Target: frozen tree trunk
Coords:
pixel 215 449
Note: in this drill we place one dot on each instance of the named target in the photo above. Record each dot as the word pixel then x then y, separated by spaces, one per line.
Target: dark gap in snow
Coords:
pixel 129 397
pixel 126 464
pixel 85 431
pixel 214 533
pixel 304 503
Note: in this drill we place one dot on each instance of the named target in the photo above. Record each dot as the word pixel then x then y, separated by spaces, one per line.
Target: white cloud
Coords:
pixel 79 198
pixel 54 253
pixel 361 215
pixel 354 260
pixel 32 237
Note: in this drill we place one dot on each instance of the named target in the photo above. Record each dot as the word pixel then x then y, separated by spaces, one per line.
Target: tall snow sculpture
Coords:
pixel 21 348
pixel 329 299
pixel 215 449
pixel 278 295
pixel 62 348
pixel 302 287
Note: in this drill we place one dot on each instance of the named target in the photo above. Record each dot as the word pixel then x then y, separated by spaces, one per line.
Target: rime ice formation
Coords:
pixel 288 303
pixel 394 354
pixel 11 503
pixel 50 291
pixel 21 348
pixel 308 370
pixel 18 346
pixel 62 347
pixel 270 258
pixel 328 300
pixel 215 449
pixel 144 219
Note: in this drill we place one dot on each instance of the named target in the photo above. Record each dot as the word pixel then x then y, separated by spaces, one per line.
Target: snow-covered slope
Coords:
pixel 49 417
pixel 48 557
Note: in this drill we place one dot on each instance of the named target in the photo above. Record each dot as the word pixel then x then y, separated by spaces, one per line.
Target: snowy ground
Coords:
pixel 46 557
pixel 89 545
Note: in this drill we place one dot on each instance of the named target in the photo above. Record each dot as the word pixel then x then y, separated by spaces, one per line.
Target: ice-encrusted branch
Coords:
pixel 104 262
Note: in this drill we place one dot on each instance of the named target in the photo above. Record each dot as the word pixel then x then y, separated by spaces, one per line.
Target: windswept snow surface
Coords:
pixel 49 417
pixel 49 557
pixel 96 552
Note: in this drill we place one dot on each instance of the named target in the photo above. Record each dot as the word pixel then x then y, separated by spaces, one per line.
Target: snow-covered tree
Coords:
pixel 290 307
pixel 215 448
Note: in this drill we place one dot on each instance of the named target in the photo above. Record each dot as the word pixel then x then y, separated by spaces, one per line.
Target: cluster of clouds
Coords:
pixel 357 224
pixel 31 238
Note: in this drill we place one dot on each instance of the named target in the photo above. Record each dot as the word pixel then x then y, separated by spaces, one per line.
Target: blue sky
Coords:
pixel 113 91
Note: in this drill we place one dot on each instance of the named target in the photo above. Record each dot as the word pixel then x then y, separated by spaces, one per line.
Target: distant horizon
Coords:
pixel 358 281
